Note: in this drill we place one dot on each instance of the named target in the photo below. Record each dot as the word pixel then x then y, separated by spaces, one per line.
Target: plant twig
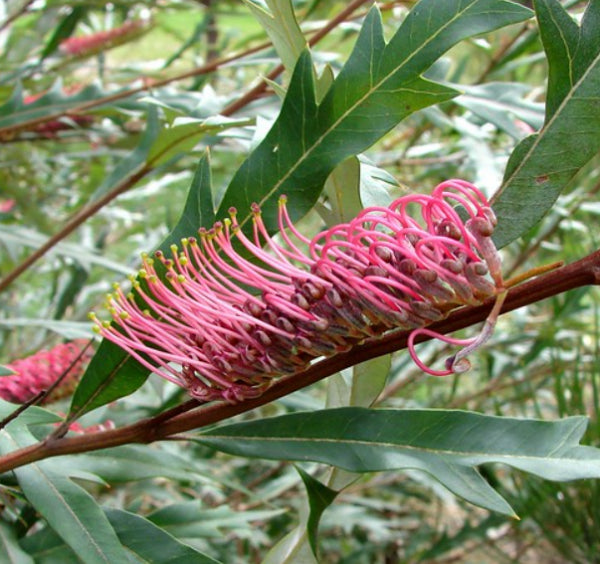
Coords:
pixel 584 272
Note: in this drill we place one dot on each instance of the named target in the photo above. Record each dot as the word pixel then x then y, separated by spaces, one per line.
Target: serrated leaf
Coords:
pixel 11 551
pixel 70 510
pixel 379 86
pixel 112 373
pixel 542 165
pixel 279 21
pixel 151 543
pixel 448 445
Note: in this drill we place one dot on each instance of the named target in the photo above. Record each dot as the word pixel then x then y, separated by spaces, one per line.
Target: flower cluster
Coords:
pixel 41 370
pixel 223 326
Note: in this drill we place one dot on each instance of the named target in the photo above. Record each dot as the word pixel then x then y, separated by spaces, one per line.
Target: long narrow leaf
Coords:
pixel 448 445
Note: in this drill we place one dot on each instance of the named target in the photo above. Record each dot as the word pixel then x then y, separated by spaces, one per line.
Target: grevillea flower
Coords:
pixel 102 40
pixel 39 371
pixel 224 327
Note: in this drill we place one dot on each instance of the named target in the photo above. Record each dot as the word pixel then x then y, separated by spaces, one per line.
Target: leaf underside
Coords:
pixel 448 445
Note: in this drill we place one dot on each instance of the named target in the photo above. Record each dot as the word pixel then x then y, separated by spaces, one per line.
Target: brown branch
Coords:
pixel 584 272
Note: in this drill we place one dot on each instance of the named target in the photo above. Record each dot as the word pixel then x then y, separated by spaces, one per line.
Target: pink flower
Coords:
pixel 40 370
pixel 6 206
pixel 224 326
pixel 101 40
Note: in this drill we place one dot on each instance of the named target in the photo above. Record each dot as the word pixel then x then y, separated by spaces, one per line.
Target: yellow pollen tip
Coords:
pixel 124 315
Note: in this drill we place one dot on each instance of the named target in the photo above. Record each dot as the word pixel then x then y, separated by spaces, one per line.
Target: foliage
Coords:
pixel 127 126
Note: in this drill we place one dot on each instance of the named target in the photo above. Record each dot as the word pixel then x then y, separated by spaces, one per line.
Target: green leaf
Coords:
pixel 5 371
pixel 64 29
pixel 135 462
pixel 11 551
pixel 380 85
pixel 151 543
pixel 15 111
pixel 320 497
pixel 190 519
pixel 31 416
pixel 542 166
pixel 136 159
pixel 112 373
pixel 560 37
pixel 183 136
pixel 448 445
pixel 70 510
pixel 46 547
pixel 343 192
pixel 501 103
pixel 279 21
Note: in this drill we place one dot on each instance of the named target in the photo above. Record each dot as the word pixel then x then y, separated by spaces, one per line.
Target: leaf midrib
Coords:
pixel 386 444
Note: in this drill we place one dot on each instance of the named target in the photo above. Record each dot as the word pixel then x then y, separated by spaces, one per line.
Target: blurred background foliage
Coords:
pixel 544 360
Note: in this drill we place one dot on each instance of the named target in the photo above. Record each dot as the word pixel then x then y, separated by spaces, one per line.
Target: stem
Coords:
pixel 584 272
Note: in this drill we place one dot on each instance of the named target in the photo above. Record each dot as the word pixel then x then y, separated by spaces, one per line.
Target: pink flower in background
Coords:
pixel 101 40
pixel 39 371
pixel 6 206
pixel 223 326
